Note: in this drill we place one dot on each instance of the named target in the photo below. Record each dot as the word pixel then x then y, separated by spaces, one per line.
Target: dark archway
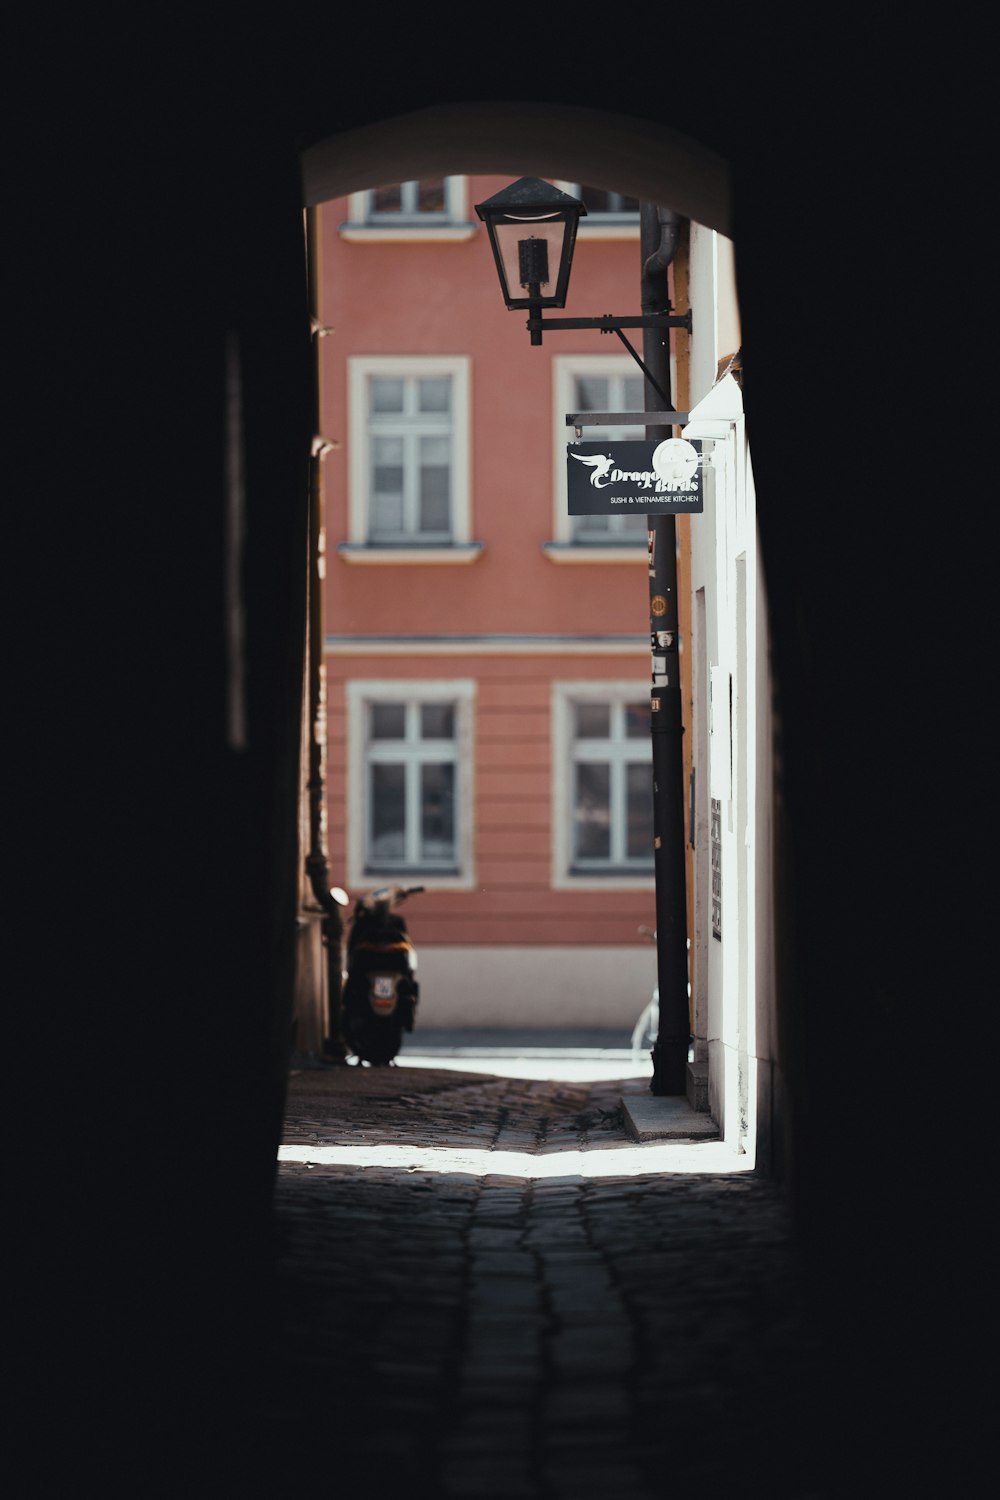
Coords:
pixel 640 156
pixel 155 858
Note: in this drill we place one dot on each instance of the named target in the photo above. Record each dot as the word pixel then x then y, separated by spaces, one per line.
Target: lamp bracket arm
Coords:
pixel 610 324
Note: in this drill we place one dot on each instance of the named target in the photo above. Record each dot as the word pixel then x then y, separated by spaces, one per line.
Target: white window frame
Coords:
pixel 566 368
pixel 360 369
pixel 620 225
pixel 359 694
pixel 452 223
pixel 564 696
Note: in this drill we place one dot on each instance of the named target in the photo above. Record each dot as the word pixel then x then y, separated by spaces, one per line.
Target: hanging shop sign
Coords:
pixel 650 478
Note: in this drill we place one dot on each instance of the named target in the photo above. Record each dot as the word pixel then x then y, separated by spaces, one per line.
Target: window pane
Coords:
pixel 609 529
pixel 388 814
pixel 387 486
pixel 592 812
pixel 437 812
pixel 387 453
pixel 387 393
pixel 637 721
pixel 386 516
pixel 435 484
pixel 632 527
pixel 639 834
pixel 434 503
pixel 411 456
pixel 437 721
pixel 593 721
pixel 601 201
pixel 592 392
pixel 633 395
pixel 434 393
pixel 387 721
pixel 431 195
pixel 592 528
pixel 387 199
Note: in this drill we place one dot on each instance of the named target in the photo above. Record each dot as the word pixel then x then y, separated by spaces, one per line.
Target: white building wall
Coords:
pixel 733 986
pixel 535 988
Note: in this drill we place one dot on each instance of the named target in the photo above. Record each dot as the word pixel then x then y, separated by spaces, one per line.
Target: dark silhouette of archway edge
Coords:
pixel 643 158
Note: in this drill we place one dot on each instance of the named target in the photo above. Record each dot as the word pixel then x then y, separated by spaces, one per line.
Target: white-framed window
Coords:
pixel 609 215
pixel 409 426
pixel 602 784
pixel 601 383
pixel 428 207
pixel 410 781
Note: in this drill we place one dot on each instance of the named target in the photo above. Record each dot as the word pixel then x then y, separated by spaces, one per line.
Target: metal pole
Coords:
pixel 670 1050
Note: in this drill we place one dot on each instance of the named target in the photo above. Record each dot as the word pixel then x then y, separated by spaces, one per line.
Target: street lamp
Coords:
pixel 532 226
pixel 532 229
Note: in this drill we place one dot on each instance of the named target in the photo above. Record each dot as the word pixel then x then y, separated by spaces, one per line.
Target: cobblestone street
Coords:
pixel 486 1289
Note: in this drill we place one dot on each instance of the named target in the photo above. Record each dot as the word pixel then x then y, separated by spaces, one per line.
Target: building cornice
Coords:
pixel 483 645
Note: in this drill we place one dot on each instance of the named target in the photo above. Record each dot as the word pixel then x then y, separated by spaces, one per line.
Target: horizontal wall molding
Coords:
pixel 479 645
pixel 572 985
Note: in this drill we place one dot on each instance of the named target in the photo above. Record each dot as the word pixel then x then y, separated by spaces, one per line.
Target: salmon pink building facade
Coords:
pixel 486 655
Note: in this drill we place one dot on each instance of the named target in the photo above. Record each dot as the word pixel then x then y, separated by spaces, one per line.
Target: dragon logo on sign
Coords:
pixel 600 466
pixel 675 465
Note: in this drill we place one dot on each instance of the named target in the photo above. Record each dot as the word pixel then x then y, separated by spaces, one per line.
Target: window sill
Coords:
pixel 618 880
pixel 612 229
pixel 362 552
pixel 384 234
pixel 369 880
pixel 575 552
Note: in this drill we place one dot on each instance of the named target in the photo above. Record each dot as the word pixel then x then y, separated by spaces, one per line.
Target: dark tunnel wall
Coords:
pixel 156 864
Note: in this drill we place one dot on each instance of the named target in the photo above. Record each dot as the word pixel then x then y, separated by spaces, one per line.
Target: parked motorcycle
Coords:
pixel 380 992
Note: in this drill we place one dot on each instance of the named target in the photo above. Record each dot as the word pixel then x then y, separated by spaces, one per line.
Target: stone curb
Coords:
pixel 666 1118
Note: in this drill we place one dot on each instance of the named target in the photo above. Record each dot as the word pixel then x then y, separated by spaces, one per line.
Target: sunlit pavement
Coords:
pixel 629 1161
pixel 485 1288
pixel 576 1063
pixel 573 1066
pixel 575 1056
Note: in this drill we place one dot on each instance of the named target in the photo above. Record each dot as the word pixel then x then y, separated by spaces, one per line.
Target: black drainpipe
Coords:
pixel 659 235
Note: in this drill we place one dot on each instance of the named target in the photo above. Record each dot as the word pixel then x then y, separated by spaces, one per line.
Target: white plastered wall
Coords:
pixel 534 988
pixel 733 989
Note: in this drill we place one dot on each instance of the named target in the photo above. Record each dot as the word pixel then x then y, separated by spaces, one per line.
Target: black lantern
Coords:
pixel 532 229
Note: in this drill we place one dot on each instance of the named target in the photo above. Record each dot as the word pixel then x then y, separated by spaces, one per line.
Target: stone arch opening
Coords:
pixel 642 158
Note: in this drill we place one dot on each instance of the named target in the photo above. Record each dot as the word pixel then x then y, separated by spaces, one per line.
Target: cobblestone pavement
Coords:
pixel 450 1330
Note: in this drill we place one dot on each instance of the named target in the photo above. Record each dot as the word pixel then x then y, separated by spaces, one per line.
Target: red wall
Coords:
pixel 513 900
pixel 444 298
